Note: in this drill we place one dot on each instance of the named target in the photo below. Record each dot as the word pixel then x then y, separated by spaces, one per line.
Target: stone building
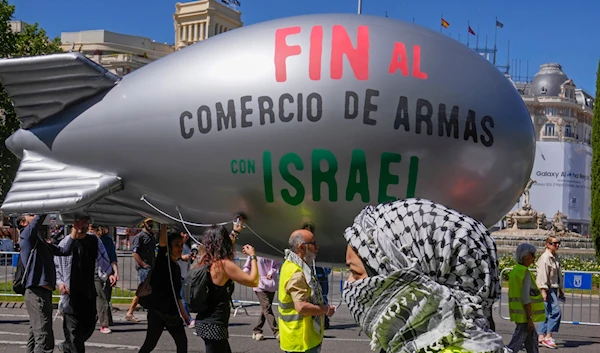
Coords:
pixel 561 115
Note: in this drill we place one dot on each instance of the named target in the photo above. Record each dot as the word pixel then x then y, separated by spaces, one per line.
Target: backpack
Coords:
pixel 21 272
pixel 196 289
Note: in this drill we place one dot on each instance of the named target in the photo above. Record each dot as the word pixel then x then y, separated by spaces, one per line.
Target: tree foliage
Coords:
pixel 31 41
pixel 595 222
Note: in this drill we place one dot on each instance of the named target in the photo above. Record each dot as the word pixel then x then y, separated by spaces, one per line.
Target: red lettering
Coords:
pixel 358 57
pixel 283 51
pixel 316 53
pixel 417 63
pixel 399 60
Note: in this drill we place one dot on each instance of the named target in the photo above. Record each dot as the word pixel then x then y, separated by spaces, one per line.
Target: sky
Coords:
pixel 539 31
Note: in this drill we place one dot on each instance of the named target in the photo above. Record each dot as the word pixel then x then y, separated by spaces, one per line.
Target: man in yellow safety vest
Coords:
pixel 525 302
pixel 301 306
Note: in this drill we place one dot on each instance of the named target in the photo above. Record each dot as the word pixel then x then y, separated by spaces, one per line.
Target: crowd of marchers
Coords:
pixel 423 277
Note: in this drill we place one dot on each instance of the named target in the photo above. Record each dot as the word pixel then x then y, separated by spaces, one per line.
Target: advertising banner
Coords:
pixel 563 178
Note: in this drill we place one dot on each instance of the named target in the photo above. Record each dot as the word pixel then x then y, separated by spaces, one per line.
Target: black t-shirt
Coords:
pixel 144 244
pixel 83 267
pixel 165 295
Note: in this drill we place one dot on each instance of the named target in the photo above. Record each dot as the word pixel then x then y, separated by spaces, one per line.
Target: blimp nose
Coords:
pixel 15 143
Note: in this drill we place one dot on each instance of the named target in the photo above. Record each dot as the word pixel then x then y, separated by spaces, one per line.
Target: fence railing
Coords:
pixel 128 282
pixel 582 294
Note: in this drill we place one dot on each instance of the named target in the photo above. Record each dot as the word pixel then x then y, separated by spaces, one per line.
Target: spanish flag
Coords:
pixel 445 23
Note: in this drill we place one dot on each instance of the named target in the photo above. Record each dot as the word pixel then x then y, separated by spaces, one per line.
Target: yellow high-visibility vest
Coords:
pixel 516 308
pixel 297 333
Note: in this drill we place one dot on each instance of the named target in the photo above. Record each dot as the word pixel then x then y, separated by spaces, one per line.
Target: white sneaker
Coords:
pixel 258 336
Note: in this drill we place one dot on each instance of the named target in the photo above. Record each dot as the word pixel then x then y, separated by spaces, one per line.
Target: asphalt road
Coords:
pixel 344 336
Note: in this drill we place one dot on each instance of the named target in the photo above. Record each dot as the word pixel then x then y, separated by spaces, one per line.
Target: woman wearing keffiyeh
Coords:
pixel 422 276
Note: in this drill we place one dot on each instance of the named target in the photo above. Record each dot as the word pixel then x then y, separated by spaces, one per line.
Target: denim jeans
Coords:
pixel 143 273
pixel 553 314
pixel 185 305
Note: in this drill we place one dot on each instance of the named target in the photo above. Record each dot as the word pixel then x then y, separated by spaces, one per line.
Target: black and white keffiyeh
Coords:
pixel 437 271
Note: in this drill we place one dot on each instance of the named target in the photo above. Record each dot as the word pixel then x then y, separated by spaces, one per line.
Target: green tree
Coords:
pixel 595 222
pixel 31 41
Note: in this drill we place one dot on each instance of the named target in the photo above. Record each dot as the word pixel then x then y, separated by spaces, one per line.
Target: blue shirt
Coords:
pixel 109 245
pixel 41 271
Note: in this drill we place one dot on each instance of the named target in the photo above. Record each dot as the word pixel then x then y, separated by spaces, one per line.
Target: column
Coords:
pixel 202 30
pixel 183 33
pixel 195 32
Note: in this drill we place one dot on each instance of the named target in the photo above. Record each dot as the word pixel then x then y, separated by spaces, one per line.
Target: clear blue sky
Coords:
pixel 539 30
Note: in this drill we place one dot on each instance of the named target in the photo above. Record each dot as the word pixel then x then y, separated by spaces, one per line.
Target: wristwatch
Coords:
pixel 252 257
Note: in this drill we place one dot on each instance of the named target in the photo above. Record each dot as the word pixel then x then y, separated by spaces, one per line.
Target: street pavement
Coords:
pixel 343 337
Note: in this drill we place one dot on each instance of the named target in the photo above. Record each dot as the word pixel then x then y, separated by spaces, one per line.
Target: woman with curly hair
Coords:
pixel 212 324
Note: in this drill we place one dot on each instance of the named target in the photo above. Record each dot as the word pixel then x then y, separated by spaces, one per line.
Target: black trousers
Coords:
pixel 79 323
pixel 157 322
pixel 214 346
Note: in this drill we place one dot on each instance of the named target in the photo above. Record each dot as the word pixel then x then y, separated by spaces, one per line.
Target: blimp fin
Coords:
pixel 44 186
pixel 42 86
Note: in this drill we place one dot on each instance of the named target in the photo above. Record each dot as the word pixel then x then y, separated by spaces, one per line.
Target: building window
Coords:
pixel 568 131
pixel 550 110
pixel 549 129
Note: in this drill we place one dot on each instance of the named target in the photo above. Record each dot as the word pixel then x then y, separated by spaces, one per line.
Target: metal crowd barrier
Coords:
pixel 582 292
pixel 243 296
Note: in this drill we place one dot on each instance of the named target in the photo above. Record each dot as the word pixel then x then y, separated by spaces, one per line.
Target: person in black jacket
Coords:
pixel 165 308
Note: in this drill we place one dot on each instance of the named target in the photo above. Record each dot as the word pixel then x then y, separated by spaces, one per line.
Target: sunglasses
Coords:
pixel 314 243
pixel 555 243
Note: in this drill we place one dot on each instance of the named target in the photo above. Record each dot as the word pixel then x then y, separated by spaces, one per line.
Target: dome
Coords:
pixel 548 80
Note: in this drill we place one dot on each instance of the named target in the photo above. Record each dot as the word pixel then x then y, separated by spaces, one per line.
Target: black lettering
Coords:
pixel 224 119
pixel 354 96
pixel 282 117
pixel 300 106
pixel 206 110
pixel 370 107
pixel 185 134
pixel 490 138
pixel 470 127
pixel 262 110
pixel 246 111
pixel 426 118
pixel 402 114
pixel 309 110
pixel 451 125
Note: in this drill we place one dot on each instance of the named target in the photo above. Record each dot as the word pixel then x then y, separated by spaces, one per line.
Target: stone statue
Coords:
pixel 558 226
pixel 526 191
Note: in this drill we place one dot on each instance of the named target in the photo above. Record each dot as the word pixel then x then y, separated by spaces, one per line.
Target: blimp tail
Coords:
pixel 44 186
pixel 43 86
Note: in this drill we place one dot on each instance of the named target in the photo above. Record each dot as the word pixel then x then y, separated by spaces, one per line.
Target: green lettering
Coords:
pixel 292 180
pixel 385 178
pixel 251 167
pixel 268 176
pixel 413 172
pixel 358 168
pixel 327 177
pixel 233 168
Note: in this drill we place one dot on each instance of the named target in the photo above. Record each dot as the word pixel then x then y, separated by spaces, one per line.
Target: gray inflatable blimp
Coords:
pixel 296 119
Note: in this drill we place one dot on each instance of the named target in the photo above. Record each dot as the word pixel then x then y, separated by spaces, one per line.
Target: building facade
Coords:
pixel 561 115
pixel 122 54
pixel 198 20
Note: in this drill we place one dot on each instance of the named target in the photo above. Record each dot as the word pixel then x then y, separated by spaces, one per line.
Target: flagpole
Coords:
pixel 468 34
pixel 359 7
pixel 477 40
pixel 441 19
pixel 495 38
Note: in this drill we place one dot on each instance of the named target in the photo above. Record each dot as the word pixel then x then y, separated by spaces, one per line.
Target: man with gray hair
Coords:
pixel 301 305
